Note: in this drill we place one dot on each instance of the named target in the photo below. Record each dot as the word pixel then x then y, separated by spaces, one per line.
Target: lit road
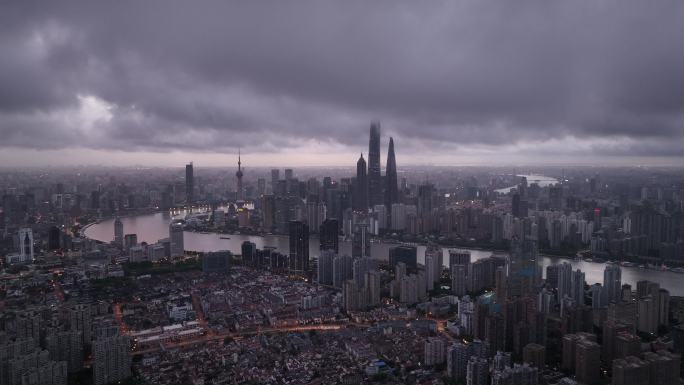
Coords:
pixel 220 336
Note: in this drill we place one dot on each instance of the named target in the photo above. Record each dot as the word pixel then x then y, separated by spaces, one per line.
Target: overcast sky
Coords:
pixel 298 82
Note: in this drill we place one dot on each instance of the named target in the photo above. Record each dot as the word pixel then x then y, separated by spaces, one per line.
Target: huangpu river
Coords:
pixel 152 227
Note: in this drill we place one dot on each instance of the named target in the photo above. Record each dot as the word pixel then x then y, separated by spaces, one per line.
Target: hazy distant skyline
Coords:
pixel 297 83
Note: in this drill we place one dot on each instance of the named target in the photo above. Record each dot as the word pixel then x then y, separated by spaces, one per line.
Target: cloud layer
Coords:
pixel 599 78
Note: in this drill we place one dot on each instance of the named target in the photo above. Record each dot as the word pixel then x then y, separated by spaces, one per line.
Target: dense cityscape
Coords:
pixel 456 291
pixel 457 192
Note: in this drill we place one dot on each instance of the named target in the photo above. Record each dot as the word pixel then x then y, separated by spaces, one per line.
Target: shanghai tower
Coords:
pixel 375 188
pixel 391 189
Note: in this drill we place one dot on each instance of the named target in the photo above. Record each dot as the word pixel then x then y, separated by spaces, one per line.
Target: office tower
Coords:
pixel 239 174
pixel 216 261
pixel 459 257
pixel 325 267
pixel 630 371
pixel 458 280
pixel 535 355
pixel 391 187
pixel 268 211
pixel 176 238
pixel 515 205
pixel 433 348
pixel 189 184
pixel 111 360
pixel 26 245
pixel 588 362
pixel 55 237
pixel 397 218
pixel 664 367
pixel 425 192
pixel 299 246
pixel 342 270
pixel 361 186
pixel 612 283
pixel 329 235
pixel 375 188
pixel 477 372
pixel 118 232
pixel 275 176
pixel 406 254
pixel 372 286
pixel 289 174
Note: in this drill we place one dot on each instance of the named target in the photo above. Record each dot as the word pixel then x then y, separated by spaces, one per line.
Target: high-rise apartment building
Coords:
pixel 111 360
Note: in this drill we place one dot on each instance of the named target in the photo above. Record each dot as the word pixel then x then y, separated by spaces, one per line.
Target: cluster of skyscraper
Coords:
pixel 371 188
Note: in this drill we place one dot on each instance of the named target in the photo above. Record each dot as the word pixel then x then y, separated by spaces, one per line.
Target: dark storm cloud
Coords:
pixel 215 75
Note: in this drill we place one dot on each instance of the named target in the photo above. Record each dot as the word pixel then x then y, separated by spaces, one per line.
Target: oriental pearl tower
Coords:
pixel 238 175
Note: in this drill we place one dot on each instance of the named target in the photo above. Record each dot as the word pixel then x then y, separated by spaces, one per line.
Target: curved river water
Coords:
pixel 152 227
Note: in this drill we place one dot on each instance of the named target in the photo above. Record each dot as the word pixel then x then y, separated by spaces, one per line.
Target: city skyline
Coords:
pixel 342 192
pixel 483 84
